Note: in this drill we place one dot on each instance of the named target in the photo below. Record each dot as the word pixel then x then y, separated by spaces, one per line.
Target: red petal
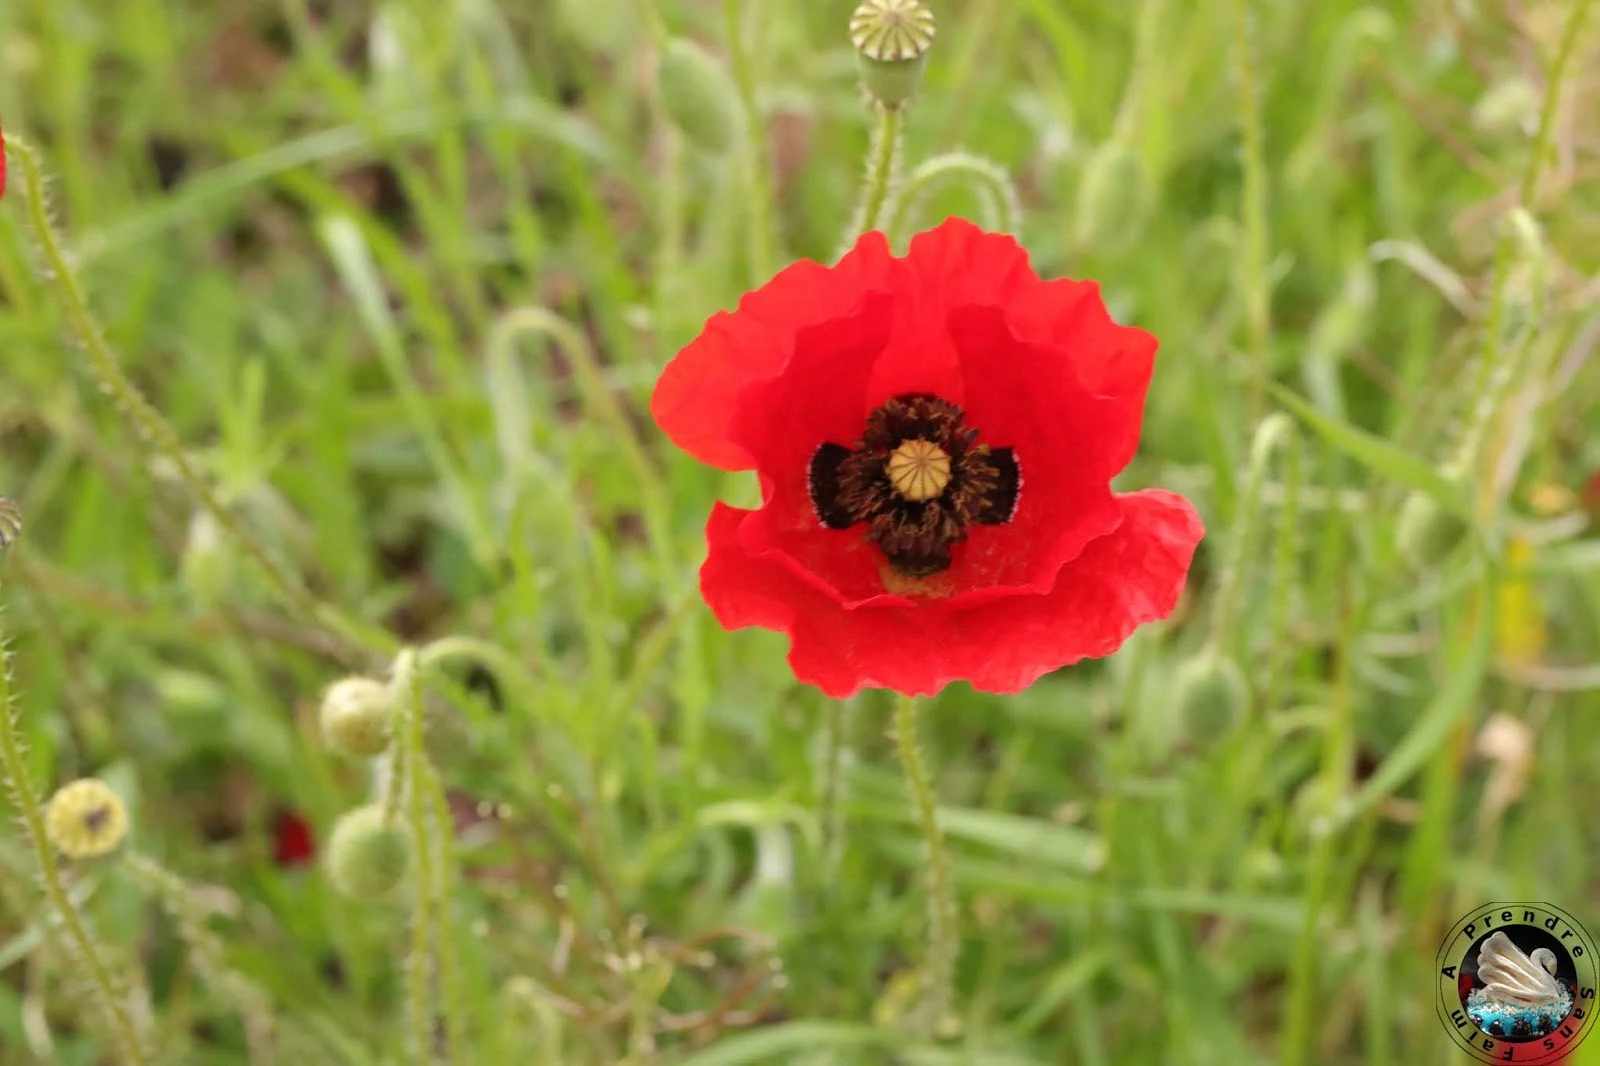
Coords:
pixel 1121 581
pixel 293 843
pixel 700 392
pixel 962 264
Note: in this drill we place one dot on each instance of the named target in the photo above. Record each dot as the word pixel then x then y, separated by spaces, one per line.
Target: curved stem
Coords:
pixel 943 945
pixel 881 164
pixel 107 995
pixel 989 178
pixel 148 424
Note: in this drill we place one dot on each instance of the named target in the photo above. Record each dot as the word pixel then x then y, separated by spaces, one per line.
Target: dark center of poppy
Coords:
pixel 918 478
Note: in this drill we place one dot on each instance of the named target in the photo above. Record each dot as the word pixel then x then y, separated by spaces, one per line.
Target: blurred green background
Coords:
pixel 329 240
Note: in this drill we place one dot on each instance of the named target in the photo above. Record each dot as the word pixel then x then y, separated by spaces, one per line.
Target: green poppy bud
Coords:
pixel 367 857
pixel 892 38
pixel 1426 533
pixel 355 716
pixel 1212 694
pixel 697 95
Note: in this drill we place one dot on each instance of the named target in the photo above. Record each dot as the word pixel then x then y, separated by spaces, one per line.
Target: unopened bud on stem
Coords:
pixel 368 857
pixel 85 819
pixel 355 716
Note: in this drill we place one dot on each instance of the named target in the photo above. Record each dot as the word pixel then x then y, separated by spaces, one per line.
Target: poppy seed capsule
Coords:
pixel 892 38
pixel 1212 694
pixel 355 716
pixel 367 857
pixel 85 819
pixel 697 95
pixel 1426 533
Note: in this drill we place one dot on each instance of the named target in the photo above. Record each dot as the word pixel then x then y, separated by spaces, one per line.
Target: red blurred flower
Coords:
pixel 293 843
pixel 935 437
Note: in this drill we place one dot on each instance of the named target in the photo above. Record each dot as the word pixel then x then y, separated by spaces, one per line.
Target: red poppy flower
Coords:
pixel 935 437
pixel 293 843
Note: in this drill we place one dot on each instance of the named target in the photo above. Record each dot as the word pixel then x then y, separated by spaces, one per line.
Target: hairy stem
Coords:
pixel 147 423
pixel 408 753
pixel 882 161
pixel 943 945
pixel 985 177
pixel 107 992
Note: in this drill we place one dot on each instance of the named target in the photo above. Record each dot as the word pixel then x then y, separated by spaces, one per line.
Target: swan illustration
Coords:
pixel 1509 976
pixel 1520 998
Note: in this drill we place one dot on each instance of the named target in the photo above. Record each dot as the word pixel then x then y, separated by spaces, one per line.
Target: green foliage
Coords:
pixel 399 276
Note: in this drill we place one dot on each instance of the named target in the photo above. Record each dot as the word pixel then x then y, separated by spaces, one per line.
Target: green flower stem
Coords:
pixel 833 759
pixel 1481 413
pixel 1276 428
pixel 882 161
pixel 1257 299
pixel 943 946
pixel 148 424
pixel 987 178
pixel 107 995
pixel 408 775
pixel 758 231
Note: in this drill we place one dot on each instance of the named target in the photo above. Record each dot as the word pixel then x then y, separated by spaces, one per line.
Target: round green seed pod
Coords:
pixel 697 95
pixel 355 716
pixel 367 858
pixel 1212 695
pixel 1426 533
pixel 892 38
pixel 85 819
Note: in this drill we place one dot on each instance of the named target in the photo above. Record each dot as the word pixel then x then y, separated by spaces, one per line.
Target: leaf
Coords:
pixel 1432 729
pixel 1378 455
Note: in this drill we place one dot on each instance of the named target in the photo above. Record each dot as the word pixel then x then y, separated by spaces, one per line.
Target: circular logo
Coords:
pixel 1517 983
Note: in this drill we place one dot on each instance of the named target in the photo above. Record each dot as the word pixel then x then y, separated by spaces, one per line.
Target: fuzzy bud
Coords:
pixel 355 716
pixel 85 819
pixel 1212 694
pixel 367 857
pixel 892 38
pixel 1426 533
pixel 697 95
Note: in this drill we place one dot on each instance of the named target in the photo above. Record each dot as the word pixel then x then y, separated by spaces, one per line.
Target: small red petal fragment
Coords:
pixel 293 843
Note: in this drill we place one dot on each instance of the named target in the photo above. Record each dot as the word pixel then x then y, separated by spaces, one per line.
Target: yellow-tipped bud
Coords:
pixel 85 819
pixel 892 38
pixel 367 856
pixel 355 716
